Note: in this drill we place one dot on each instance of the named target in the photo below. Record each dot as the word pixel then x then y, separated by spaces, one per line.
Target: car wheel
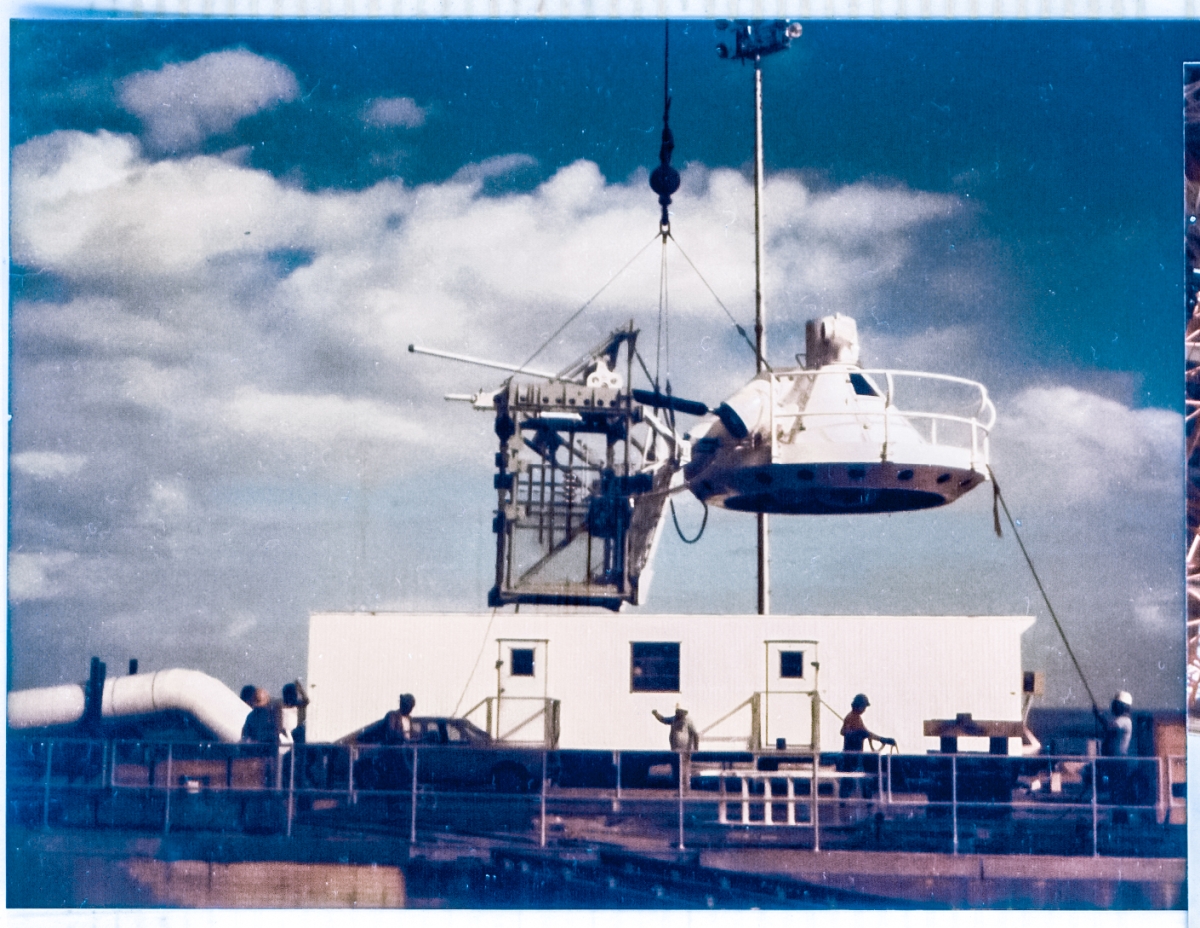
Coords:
pixel 510 778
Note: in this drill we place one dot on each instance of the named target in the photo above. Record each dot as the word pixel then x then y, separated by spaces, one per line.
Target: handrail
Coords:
pixel 985 403
pixel 1102 789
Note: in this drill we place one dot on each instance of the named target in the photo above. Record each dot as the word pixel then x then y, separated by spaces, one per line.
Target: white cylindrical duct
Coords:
pixel 49 705
pixel 210 701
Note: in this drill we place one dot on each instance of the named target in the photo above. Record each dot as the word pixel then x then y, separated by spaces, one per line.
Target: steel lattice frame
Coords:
pixel 1192 386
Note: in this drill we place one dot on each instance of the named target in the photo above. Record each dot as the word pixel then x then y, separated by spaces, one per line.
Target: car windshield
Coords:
pixel 459 731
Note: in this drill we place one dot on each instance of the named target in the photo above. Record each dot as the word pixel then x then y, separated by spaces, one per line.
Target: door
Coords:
pixel 790 694
pixel 521 690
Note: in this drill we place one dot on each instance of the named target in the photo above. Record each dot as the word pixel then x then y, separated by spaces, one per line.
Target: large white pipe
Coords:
pixel 210 701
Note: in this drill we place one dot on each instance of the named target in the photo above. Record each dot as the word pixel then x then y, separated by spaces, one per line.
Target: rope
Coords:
pixel 679 531
pixel 463 694
pixel 1041 589
pixel 645 370
pixel 736 325
pixel 557 332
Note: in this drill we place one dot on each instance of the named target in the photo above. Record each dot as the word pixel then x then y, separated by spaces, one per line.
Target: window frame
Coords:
pixel 636 660
pixel 791 676
pixel 512 662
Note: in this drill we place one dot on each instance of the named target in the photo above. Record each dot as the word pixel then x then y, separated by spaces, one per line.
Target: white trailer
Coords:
pixel 595 678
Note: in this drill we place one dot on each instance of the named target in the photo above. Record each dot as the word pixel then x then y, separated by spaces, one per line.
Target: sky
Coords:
pixel 225 234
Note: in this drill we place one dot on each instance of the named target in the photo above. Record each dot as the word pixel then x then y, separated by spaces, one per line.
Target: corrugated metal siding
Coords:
pixel 913 668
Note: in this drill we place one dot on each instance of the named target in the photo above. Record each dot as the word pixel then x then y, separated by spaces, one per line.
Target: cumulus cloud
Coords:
pixel 1076 447
pixel 181 105
pixel 47 465
pixel 389 112
pixel 31 576
pixel 320 421
pixel 499 166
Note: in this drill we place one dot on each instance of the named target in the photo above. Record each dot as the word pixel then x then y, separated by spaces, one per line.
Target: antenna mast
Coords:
pixel 751 41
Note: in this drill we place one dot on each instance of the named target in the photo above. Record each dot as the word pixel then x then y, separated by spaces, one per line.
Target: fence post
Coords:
pixel 954 802
pixel 291 801
pixel 1162 795
pixel 816 800
pixel 46 787
pixel 542 840
pixel 167 810
pixel 683 762
pixel 1095 811
pixel 616 806
pixel 412 828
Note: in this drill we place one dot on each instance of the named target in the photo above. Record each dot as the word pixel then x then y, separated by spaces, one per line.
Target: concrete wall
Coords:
pixel 912 667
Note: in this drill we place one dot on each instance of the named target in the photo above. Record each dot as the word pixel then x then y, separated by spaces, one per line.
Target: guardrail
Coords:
pixel 976 425
pixel 941 802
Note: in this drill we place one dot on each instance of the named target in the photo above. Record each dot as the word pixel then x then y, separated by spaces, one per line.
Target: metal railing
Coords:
pixel 543 707
pixel 948 803
pixel 977 425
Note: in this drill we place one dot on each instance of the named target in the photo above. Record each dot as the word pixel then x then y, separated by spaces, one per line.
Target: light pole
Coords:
pixel 745 40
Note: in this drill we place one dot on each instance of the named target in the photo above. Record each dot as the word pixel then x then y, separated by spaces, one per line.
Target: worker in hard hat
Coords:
pixel 854 734
pixel 1118 730
pixel 1118 778
pixel 854 730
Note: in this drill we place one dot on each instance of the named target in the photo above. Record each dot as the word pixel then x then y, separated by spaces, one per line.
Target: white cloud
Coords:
pixel 320 421
pixel 387 112
pixel 31 576
pixel 499 166
pixel 1071 447
pixel 166 501
pixel 1158 610
pixel 181 105
pixel 441 262
pixel 47 465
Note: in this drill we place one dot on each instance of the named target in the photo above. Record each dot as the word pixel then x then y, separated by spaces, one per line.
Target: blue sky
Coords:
pixel 226 233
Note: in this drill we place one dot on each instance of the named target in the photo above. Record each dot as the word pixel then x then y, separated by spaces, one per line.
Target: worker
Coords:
pixel 398 722
pixel 294 711
pixel 854 730
pixel 1119 775
pixel 1118 732
pixel 684 737
pixel 854 734
pixel 264 724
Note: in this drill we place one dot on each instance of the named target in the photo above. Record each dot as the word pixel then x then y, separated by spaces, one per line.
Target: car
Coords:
pixel 451 753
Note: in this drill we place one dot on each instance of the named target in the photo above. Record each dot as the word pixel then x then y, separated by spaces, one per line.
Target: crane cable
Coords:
pixel 557 332
pixel 998 498
pixel 741 331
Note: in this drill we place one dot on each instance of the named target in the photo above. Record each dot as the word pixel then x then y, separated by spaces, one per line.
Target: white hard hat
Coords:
pixel 1123 697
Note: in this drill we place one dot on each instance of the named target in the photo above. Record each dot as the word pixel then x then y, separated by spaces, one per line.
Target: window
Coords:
pixel 791 664
pixel 654 667
pixel 862 386
pixel 521 662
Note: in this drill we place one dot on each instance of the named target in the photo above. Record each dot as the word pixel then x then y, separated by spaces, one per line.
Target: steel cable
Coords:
pixel 1041 589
